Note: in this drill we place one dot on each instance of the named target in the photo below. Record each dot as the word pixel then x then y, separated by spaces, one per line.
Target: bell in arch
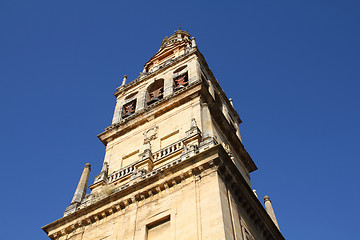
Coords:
pixel 181 82
pixel 155 91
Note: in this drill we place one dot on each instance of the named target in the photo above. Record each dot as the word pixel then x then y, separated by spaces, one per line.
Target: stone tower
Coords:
pixel 175 166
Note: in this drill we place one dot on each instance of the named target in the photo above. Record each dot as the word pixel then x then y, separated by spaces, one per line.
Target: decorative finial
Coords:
pixel 254 191
pixel 124 80
pixel 193 123
pixel 269 209
pixel 193 44
pixel 105 167
pixel 80 190
pixel 179 27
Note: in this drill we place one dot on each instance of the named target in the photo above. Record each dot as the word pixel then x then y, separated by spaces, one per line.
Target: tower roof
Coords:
pixel 179 35
pixel 170 47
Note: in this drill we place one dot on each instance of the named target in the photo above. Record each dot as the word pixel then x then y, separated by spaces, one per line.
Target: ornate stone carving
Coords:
pixel 137 173
pixel 193 128
pixel 150 134
pixel 193 123
pixel 228 151
pixel 189 150
pixel 103 174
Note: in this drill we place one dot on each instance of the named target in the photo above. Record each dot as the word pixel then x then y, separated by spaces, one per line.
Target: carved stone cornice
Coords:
pixel 152 183
pixel 166 177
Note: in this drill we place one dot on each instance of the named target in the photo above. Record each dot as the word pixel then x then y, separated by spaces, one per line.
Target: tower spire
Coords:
pixel 82 185
pixel 80 190
pixel 269 209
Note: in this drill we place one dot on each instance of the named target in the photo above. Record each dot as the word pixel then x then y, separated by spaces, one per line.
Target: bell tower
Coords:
pixel 175 166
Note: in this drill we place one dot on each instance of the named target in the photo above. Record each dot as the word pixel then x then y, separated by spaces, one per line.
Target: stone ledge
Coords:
pixel 129 193
pixel 125 123
pixel 167 177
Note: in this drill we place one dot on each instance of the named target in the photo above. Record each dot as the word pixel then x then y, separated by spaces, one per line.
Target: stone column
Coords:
pixel 211 89
pixel 195 73
pixel 207 129
pixel 168 85
pixel 225 111
pixel 81 188
pixel 238 131
pixel 141 100
pixel 269 209
pixel 117 112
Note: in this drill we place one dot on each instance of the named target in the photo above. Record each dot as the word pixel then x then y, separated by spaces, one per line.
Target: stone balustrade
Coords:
pixel 162 153
pixel 121 173
pixel 166 151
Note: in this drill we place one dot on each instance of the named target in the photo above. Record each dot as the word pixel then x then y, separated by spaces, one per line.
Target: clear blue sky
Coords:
pixel 292 68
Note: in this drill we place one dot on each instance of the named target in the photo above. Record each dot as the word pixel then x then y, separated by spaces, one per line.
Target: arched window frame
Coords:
pixel 155 91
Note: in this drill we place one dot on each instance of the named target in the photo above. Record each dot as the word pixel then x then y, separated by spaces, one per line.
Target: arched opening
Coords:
pixel 180 69
pixel 155 91
pixel 131 95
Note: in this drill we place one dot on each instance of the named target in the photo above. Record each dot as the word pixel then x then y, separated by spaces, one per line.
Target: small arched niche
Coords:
pixel 130 95
pixel 179 69
pixel 155 91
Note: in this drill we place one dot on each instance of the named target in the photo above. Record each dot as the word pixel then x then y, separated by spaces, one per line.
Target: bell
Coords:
pixel 179 87
pixel 155 96
pixel 155 99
